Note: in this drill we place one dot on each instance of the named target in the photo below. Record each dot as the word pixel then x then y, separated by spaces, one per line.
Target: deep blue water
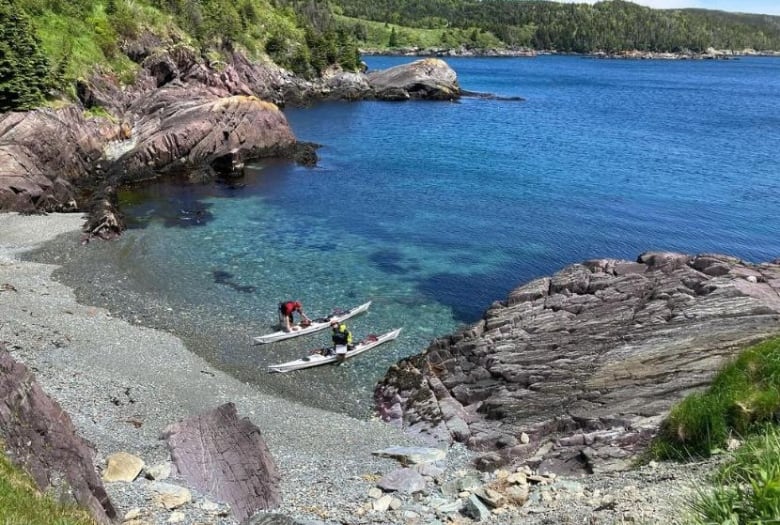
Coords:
pixel 435 209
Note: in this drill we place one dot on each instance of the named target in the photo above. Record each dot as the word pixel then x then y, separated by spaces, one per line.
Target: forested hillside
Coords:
pixel 609 26
pixel 46 44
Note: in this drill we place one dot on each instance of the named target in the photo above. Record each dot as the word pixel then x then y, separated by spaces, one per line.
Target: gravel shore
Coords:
pixel 123 384
pixel 107 373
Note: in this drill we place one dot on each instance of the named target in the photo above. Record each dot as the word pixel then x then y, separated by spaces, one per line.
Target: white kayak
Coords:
pixel 317 359
pixel 315 326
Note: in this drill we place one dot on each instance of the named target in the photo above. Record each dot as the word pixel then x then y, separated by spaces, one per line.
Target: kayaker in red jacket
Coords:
pixel 286 311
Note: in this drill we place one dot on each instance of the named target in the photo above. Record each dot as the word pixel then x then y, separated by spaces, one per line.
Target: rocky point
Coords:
pixel 574 372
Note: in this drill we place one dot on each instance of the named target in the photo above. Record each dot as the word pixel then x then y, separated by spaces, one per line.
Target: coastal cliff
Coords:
pixel 574 372
pixel 181 115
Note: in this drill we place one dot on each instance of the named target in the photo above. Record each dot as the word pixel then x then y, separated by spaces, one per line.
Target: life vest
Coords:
pixel 341 335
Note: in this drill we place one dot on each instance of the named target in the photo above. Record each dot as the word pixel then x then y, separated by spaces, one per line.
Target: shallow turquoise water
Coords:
pixel 434 210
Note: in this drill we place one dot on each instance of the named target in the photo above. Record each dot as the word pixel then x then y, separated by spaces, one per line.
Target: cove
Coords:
pixel 433 210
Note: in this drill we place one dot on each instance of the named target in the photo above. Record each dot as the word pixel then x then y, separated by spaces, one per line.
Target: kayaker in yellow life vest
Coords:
pixel 342 339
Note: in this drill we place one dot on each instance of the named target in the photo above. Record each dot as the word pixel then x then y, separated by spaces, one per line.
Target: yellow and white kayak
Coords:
pixel 317 359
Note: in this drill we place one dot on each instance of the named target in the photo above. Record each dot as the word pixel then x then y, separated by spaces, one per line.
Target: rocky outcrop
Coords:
pixel 574 371
pixel 186 126
pixel 181 114
pixel 62 161
pixel 41 439
pixel 429 78
pixel 46 155
pixel 226 457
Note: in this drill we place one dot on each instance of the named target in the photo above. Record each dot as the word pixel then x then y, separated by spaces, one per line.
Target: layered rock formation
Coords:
pixel 227 458
pixel 40 438
pixel 181 113
pixel 46 155
pixel 574 371
pixel 62 161
pixel 429 78
pixel 174 132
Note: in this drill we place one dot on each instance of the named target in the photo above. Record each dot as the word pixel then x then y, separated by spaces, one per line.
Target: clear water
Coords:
pixel 433 210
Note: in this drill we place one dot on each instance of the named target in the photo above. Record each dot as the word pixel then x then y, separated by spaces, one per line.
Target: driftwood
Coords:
pixel 227 458
pixel 105 221
pixel 41 439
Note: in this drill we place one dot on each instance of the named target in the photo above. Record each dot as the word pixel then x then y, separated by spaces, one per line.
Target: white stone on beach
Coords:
pixel 170 496
pixel 122 467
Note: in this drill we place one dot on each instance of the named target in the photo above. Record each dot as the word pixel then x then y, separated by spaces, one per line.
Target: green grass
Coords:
pixel 747 487
pixel 743 396
pixel 22 504
pixel 377 35
pixel 76 46
pixel 99 113
pixel 743 402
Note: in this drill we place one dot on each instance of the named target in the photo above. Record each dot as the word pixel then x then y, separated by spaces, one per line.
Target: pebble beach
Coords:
pixel 107 373
pixel 123 383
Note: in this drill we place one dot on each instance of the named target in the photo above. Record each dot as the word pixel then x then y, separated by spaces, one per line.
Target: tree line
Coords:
pixel 610 26
pixel 25 73
pixel 46 44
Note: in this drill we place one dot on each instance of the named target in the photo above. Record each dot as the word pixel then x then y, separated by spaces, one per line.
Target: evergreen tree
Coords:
pixel 24 70
pixel 612 25
pixel 393 42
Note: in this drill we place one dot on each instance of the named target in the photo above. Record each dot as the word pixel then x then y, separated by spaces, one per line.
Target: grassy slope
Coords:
pixel 22 504
pixel 378 35
pixel 77 44
pixel 74 43
pixel 742 403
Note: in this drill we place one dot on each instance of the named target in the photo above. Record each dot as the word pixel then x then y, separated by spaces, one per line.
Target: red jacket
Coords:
pixel 289 307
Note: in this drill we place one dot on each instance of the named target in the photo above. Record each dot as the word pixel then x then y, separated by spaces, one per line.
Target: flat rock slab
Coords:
pixel 227 458
pixel 402 480
pixel 412 455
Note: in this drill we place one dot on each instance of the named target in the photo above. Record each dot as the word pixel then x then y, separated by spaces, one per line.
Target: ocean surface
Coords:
pixel 433 210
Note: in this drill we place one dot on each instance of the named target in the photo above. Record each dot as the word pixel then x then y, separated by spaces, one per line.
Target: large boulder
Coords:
pixel 41 439
pixel 585 362
pixel 185 126
pixel 227 458
pixel 429 78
